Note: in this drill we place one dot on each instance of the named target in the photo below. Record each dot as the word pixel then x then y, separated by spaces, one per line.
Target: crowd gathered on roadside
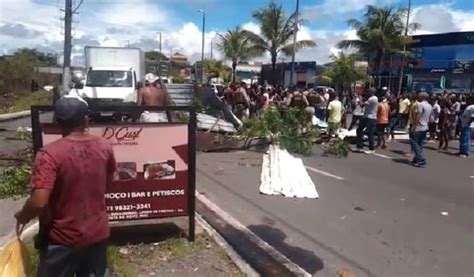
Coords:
pixel 378 114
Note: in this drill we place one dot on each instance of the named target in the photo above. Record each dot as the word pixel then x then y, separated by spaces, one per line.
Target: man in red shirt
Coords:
pixel 68 183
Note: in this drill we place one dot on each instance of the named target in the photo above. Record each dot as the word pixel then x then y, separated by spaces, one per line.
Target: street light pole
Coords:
pixel 292 73
pixel 202 50
pixel 212 44
pixel 400 81
pixel 159 33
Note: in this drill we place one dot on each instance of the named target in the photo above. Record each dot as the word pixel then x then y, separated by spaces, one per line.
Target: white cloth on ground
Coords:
pixel 283 174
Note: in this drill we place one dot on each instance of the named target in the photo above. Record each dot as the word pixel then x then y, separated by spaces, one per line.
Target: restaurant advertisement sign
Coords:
pixel 154 178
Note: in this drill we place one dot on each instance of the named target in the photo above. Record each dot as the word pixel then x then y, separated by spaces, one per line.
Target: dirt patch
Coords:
pixel 172 257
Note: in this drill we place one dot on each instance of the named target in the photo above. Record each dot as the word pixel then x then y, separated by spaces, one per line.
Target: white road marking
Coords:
pixel 322 172
pixel 472 177
pixel 279 257
pixel 381 155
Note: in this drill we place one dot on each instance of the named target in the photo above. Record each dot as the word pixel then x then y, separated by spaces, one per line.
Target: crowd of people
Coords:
pixel 376 113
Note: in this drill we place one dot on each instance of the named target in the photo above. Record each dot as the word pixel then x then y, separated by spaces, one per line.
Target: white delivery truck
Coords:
pixel 112 75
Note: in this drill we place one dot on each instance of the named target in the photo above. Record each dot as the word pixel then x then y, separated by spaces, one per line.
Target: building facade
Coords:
pixel 438 63
pixel 304 74
pixel 442 62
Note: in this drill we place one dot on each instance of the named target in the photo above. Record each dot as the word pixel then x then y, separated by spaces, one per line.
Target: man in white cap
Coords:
pixel 154 93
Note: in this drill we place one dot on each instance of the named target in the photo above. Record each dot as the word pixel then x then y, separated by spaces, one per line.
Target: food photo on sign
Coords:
pixel 126 171
pixel 160 170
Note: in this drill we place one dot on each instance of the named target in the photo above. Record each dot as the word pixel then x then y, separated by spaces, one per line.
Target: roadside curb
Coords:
pixel 11 116
pixel 236 258
pixel 263 257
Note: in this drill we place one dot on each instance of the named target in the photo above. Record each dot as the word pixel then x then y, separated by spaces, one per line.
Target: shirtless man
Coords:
pixel 153 94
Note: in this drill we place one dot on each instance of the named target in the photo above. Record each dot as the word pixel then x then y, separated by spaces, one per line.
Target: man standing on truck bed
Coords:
pixel 154 93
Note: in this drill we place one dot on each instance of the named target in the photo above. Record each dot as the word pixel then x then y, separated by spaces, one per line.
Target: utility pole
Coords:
pixel 170 60
pixel 159 57
pixel 212 44
pixel 160 40
pixel 68 13
pixel 202 50
pixel 292 73
pixel 400 81
pixel 67 46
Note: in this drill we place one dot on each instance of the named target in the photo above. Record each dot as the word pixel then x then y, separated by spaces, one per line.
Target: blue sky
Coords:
pixel 224 14
pixel 119 22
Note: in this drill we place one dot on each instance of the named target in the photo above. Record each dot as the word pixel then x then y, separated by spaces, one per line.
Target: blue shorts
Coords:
pixel 60 260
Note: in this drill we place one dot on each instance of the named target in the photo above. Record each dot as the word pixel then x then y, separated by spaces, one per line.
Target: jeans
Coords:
pixel 394 122
pixel 64 261
pixel 465 141
pixel 354 121
pixel 416 141
pixel 320 114
pixel 366 126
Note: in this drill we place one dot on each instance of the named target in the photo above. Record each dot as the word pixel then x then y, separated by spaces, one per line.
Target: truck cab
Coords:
pixel 110 84
pixel 112 76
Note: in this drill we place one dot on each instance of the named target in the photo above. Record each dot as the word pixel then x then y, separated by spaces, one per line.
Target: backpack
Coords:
pixel 239 98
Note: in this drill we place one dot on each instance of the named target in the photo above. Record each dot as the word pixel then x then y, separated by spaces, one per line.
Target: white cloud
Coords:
pixel 134 13
pixel 251 26
pixel 328 8
pixel 441 18
pixel 345 6
pixel 326 41
pixel 137 21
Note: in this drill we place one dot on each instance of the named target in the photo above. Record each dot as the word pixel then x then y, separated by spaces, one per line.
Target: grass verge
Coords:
pixel 174 256
pixel 26 100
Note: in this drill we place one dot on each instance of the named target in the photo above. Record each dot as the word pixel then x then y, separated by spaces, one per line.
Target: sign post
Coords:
pixel 156 163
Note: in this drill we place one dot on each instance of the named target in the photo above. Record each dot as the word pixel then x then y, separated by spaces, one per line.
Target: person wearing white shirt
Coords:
pixel 467 118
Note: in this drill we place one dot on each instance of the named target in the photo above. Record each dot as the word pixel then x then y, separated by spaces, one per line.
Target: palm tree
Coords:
pixel 215 69
pixel 236 46
pixel 276 33
pixel 342 72
pixel 379 34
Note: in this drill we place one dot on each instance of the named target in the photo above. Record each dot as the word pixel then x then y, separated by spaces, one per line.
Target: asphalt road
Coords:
pixel 376 215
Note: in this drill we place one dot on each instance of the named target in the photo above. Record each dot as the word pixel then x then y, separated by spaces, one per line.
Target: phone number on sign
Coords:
pixel 136 207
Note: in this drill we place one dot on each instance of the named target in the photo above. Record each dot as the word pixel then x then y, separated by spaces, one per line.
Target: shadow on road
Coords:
pixel 401 161
pixel 276 238
pixel 399 152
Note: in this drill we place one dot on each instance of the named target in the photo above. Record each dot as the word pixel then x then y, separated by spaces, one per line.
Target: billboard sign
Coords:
pixel 155 166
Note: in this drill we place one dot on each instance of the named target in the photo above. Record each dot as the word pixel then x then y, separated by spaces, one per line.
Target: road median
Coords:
pixel 12 116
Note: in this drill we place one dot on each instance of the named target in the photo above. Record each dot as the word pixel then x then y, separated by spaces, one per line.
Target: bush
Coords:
pixel 25 100
pixel 290 128
pixel 338 148
pixel 15 181
pixel 199 106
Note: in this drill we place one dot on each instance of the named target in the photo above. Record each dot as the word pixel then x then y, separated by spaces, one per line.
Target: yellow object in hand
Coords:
pixel 15 260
